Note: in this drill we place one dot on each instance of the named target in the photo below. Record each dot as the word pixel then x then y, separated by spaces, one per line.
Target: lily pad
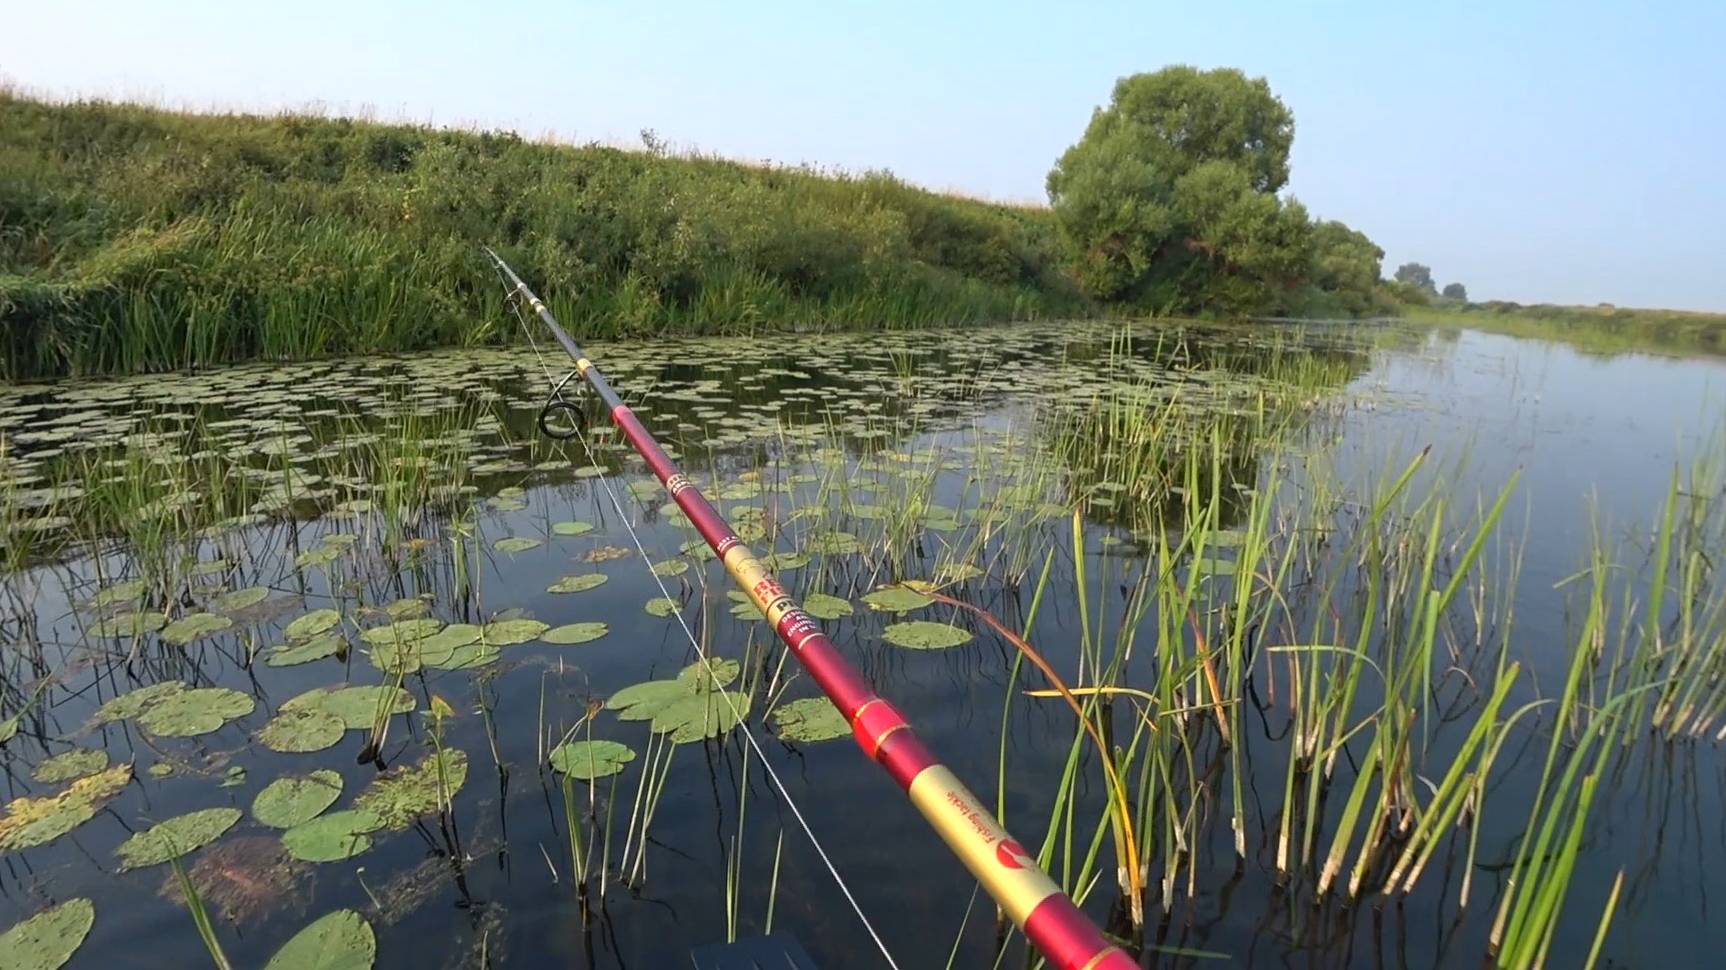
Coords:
pixel 710 674
pixel 48 939
pixel 587 760
pixel 515 544
pixel 825 607
pixel 316 648
pixel 1215 567
pixel 356 706
pixel 312 624
pixel 579 583
pixel 702 714
pixel 924 635
pixel 302 731
pixel 896 599
pixel 332 837
pixel 661 606
pixel 129 591
pixel 572 633
pixel 134 703
pixel 404 793
pixel 810 719
pixel 175 837
pixel 296 799
pixel 189 713
pixel 341 940
pixel 193 627
pixel 470 657
pixel 240 599
pixel 643 701
pixel 571 528
pixel 29 822
pixel 670 567
pixel 68 765
pixel 128 625
pixel 505 633
pixel 401 631
pixel 450 638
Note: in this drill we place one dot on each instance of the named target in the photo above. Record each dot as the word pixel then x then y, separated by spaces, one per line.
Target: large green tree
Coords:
pixel 1346 267
pixel 1417 275
pixel 1169 200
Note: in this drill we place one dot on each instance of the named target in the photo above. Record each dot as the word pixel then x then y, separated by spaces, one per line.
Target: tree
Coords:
pixel 1417 275
pixel 1169 198
pixel 1346 266
pixel 1456 291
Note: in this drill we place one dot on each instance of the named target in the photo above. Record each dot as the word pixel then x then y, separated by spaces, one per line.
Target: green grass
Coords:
pixel 1603 329
pixel 134 239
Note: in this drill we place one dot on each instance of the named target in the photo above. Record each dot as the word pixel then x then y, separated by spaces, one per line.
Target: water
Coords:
pixel 1595 439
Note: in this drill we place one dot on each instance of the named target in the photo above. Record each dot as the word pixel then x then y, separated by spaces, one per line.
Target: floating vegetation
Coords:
pixel 824 606
pixel 579 583
pixel 245 878
pixel 312 624
pixel 925 635
pixel 292 800
pixel 193 627
pixel 402 794
pixel 68 765
pixel 588 760
pixel 355 707
pixel 896 599
pixel 342 940
pixel 302 730
pixel 27 822
pixel 175 837
pixel 306 651
pixel 573 633
pixel 47 940
pixel 810 719
pixel 189 713
pixel 333 837
pixel 508 633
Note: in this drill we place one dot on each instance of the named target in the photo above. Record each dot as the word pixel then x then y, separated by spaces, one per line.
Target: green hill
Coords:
pixel 137 239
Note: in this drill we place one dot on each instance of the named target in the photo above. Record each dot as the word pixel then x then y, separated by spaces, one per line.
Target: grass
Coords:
pixel 1600 330
pixel 135 239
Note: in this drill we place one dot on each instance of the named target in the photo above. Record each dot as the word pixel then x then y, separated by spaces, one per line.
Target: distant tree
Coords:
pixel 1455 291
pixel 1417 275
pixel 1169 199
pixel 1346 266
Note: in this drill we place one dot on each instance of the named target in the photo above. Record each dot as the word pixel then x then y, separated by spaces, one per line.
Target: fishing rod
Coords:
pixel 1006 871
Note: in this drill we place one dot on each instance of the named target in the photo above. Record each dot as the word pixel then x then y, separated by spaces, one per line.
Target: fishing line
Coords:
pixel 557 398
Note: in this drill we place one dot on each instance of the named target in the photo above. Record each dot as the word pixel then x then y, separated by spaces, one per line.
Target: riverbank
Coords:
pixel 1601 330
pixel 134 239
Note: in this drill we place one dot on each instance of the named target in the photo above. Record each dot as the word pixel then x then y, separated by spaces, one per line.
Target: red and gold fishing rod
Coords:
pixel 1050 920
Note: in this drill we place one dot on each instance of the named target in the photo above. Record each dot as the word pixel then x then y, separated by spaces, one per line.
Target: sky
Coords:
pixel 1541 152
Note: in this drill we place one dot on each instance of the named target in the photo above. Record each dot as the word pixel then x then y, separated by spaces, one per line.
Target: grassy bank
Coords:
pixel 135 239
pixel 1602 329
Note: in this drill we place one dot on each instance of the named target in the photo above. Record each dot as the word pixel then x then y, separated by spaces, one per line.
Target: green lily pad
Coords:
pixel 579 583
pixel 587 760
pixel 671 567
pixel 404 793
pixel 302 731
pixel 957 572
pixel 341 940
pixel 240 599
pixel 643 701
pixel 129 591
pixel 47 940
pixel 924 635
pixel 175 837
pixel 332 837
pixel 710 674
pixel 133 703
pixel 810 719
pixel 660 606
pixel 470 657
pixel 1215 567
pixel 193 627
pixel 128 625
pixel 448 639
pixel 505 633
pixel 700 715
pixel 356 706
pixel 189 713
pixel 68 765
pixel 316 648
pixel 28 822
pixel 401 631
pixel 825 607
pixel 572 633
pixel 571 528
pixel 896 599
pixel 313 624
pixel 515 544
pixel 296 799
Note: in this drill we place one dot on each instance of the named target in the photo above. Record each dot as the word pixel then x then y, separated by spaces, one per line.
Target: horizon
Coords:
pixel 1521 199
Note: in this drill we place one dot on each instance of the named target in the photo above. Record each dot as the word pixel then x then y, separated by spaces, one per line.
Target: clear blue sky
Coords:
pixel 1564 151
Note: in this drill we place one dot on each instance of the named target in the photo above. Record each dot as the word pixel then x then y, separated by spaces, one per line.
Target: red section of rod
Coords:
pixel 1063 934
